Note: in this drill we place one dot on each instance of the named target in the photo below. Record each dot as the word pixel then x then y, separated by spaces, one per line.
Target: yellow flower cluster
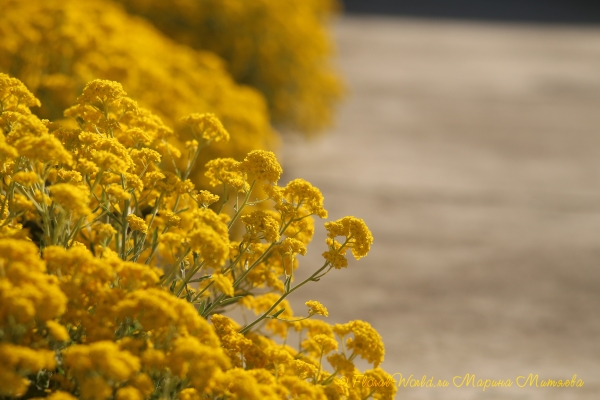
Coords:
pixel 314 307
pixel 56 46
pixel 282 48
pixel 358 239
pixel 116 272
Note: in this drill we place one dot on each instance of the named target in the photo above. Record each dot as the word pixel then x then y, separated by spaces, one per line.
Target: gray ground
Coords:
pixel 471 151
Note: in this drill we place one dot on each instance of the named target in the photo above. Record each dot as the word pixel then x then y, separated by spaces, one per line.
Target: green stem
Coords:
pixel 239 210
pixel 286 294
pixel 167 277
pixel 290 291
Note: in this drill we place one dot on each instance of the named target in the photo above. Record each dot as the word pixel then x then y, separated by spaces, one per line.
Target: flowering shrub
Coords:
pixel 282 48
pixel 112 266
pixel 56 46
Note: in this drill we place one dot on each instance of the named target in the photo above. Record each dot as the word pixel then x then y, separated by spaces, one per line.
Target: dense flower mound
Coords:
pixel 56 46
pixel 116 272
pixel 282 48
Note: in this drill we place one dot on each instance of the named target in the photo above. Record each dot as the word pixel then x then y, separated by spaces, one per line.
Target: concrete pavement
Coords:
pixel 471 151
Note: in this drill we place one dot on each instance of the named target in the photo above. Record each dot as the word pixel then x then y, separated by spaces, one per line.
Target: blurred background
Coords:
pixel 469 144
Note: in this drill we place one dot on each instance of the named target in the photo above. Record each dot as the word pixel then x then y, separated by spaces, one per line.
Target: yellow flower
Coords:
pixel 57 330
pixel 280 47
pixel 128 393
pixel 201 363
pixel 386 390
pixel 118 193
pixel 300 193
pixel 17 363
pixel 27 292
pixel 103 358
pixel 302 230
pixel 224 171
pixel 131 52
pixel 303 369
pixel 26 178
pixel 336 255
pixel 69 176
pixel 71 198
pixel 132 328
pixel 159 311
pixel 14 92
pixel 104 231
pixel 261 164
pixel 102 93
pixel 206 198
pixel 209 236
pixel 223 284
pixel 137 224
pixel 260 225
pixel 323 344
pixel 341 364
pixel 299 388
pixel 314 307
pixel 359 237
pixel 206 126
pixel 60 395
pixel 189 394
pixel 366 343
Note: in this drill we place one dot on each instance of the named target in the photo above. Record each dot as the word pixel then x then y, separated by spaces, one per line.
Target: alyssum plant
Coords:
pixel 115 270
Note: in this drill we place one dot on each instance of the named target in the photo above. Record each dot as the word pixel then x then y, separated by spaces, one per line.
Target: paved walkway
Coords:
pixel 473 153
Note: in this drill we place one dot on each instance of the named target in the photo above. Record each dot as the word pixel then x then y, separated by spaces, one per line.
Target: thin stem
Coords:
pixel 239 210
pixel 288 292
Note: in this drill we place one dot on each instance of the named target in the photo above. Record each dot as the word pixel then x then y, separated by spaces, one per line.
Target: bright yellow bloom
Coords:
pixel 71 198
pixel 13 92
pixel 206 198
pixel 57 330
pixel 102 93
pixel 197 361
pixel 224 171
pixel 282 48
pixel 314 307
pixel 261 164
pixel 223 284
pixel 209 236
pixel 17 363
pixel 303 369
pixel 161 312
pixel 301 194
pixel 336 255
pixel 98 366
pixel 27 292
pixel 137 224
pixel 260 225
pixel 324 343
pixel 79 41
pixel 69 176
pixel 384 391
pixel 302 230
pixel 60 395
pixel 340 363
pixel 357 234
pixel 205 126
pixel 105 231
pixel 128 313
pixel 299 388
pixel 366 342
pixel 128 393
pixel 26 178
pixel 189 394
pixel 118 193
